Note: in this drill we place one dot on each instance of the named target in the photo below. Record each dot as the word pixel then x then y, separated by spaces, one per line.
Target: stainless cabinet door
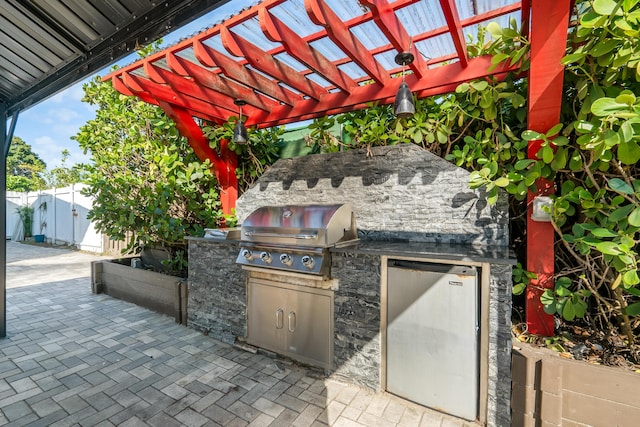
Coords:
pixel 309 327
pixel 266 319
pixel 432 341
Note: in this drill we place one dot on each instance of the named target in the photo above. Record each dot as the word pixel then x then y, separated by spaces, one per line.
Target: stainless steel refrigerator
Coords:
pixel 432 336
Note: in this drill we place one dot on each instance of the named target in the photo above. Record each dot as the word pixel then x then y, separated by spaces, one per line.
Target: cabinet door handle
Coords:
pixel 292 321
pixel 279 318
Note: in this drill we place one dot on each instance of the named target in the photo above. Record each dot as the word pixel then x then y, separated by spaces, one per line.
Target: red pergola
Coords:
pixel 292 60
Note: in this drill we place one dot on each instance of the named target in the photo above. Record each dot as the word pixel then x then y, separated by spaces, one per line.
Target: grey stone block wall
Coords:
pixel 357 345
pixel 499 404
pixel 397 192
pixel 217 290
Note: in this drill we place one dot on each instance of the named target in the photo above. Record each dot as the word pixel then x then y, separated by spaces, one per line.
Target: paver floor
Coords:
pixel 73 358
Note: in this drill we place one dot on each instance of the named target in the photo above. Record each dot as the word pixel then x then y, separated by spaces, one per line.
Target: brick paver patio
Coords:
pixel 74 358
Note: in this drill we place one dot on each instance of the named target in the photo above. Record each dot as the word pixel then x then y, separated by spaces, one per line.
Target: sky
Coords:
pixel 49 125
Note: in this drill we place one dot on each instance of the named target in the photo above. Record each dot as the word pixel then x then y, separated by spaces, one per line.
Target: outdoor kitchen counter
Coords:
pixel 424 250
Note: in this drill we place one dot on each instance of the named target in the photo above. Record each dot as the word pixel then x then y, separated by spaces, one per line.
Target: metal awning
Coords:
pixel 292 60
pixel 46 46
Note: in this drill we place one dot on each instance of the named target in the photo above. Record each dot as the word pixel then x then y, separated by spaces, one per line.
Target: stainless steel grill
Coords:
pixel 295 238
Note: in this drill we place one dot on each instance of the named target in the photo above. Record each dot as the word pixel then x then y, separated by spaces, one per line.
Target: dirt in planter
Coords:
pixel 581 342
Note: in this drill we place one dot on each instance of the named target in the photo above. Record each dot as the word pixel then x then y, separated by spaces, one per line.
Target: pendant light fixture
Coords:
pixel 404 106
pixel 240 131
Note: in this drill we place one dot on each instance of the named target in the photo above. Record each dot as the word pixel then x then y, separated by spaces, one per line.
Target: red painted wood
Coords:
pixel 223 165
pixel 439 80
pixel 385 18
pixel 234 71
pixel 269 65
pixel 550 19
pixel 205 109
pixel 206 85
pixel 450 12
pixel 321 14
pixel 277 31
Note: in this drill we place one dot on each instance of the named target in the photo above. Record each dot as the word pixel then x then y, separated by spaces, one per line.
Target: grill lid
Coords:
pixel 300 225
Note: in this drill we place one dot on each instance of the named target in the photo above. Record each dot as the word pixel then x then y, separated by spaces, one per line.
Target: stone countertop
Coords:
pixel 213 240
pixel 440 251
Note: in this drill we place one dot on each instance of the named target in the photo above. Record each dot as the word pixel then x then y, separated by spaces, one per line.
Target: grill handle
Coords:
pixel 299 236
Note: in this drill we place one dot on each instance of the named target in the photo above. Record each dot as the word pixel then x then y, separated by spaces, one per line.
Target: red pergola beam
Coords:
pixel 322 15
pixel 450 12
pixel 223 165
pixel 385 18
pixel 211 58
pixel 297 47
pixel 550 24
pixel 199 91
pixel 215 86
pixel 265 62
pixel 438 81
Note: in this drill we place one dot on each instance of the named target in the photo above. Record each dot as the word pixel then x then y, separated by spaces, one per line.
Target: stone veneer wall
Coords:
pixel 217 290
pixel 499 386
pixel 356 344
pixel 397 192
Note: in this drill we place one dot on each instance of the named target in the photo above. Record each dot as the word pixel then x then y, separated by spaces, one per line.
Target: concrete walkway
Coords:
pixel 74 358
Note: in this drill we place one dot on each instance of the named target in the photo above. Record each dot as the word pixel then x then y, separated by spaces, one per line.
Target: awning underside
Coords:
pixel 292 60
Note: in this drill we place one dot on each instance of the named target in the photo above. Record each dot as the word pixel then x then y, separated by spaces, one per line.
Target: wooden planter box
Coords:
pixel 156 291
pixel 548 390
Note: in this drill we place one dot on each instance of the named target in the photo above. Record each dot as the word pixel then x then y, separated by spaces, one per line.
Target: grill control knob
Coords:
pixel 308 262
pixel 265 257
pixel 247 254
pixel 286 259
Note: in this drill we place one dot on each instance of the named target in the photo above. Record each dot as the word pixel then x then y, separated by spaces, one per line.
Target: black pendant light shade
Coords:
pixel 404 106
pixel 240 131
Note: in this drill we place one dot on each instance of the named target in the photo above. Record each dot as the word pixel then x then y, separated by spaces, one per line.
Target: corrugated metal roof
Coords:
pixel 47 45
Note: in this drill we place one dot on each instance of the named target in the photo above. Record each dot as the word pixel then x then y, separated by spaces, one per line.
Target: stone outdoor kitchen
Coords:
pixel 418 304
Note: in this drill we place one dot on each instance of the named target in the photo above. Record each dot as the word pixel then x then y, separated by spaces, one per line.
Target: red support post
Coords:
pixel 549 23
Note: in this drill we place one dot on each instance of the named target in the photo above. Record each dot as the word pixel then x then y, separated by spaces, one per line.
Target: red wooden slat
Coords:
pixel 142 86
pixel 238 46
pixel 206 85
pixel 336 30
pixel 439 80
pixel 277 31
pixel 384 16
pixel 450 12
pixel 211 58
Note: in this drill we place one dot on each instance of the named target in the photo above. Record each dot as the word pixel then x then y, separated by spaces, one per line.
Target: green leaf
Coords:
pixel 519 288
pixel 629 152
pixel 633 309
pixel 620 213
pixel 605 7
pixel 634 217
pixel 523 164
pixel 604 47
pixel 607 106
pixel 568 313
pixel 631 278
pixel 608 248
pixel 620 186
pixel 603 233
pixel 547 154
pixel 502 181
pixel 530 135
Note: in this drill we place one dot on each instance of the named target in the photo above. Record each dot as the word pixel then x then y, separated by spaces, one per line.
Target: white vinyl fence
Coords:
pixel 63 221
